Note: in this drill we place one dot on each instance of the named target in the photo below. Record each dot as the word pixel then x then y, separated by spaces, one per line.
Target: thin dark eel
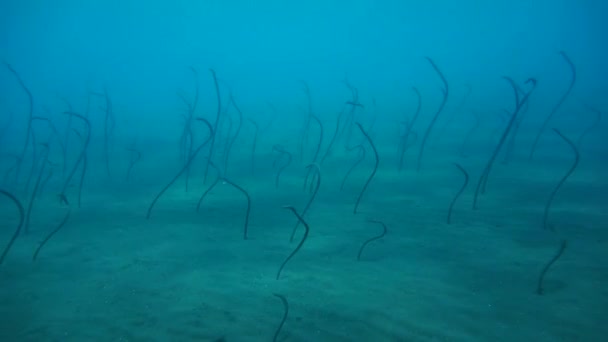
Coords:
pixel 306 128
pixel 28 133
pixel 378 237
pixel 58 137
pixel 236 134
pixel 371 176
pixel 81 157
pixel 184 168
pixel 598 118
pixel 558 105
pixel 518 105
pixel 374 116
pixel 301 241
pixel 467 138
pixel 217 120
pixel 285 313
pixel 452 114
pixel 244 192
pixel 45 181
pixel 511 144
pixel 361 157
pixel 50 235
pixel 333 139
pixel 108 127
pixel 254 144
pixel 460 191
pixel 30 205
pixel 320 143
pixel 561 181
pixel 541 278
pixel 186 139
pixel 18 229
pixel 206 192
pixel 408 128
pixel 282 152
pixel 83 171
pixel 68 126
pixel 6 126
pixel 275 115
pixel 317 171
pixel 445 91
pixel 135 157
pixel 10 169
pixel 316 156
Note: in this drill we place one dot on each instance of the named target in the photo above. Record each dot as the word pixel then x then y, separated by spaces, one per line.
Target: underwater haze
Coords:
pixel 303 171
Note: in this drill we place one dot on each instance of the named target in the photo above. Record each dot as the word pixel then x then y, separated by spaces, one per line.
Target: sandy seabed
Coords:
pixel 112 275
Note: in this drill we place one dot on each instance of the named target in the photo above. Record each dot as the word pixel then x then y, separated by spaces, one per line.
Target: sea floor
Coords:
pixel 112 275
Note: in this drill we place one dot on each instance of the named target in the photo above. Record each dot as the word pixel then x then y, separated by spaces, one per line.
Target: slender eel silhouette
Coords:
pixel 301 241
pixel 217 121
pixel 68 126
pixel 282 152
pixel 562 247
pixel 460 191
pixel 518 105
pixel 28 133
pixel 184 168
pixel 217 181
pixel 310 170
pixel 451 115
pixel 273 118
pixel 109 123
pixel 248 205
pixel 12 168
pixel 467 138
pixel 285 313
pixel 50 235
pixel 561 181
pixel 320 141
pixel 317 177
pixel 83 170
pixel 135 157
pixel 6 126
pixel 187 138
pixel 226 121
pixel 378 237
pixel 254 144
pixel 32 170
pixel 81 157
pixel 347 128
pixel 58 138
pixel 236 134
pixel 374 116
pixel 353 104
pixel 333 139
pixel 43 161
pixel 408 128
pixel 206 192
pixel 45 181
pixel 594 124
pixel 211 187
pixel 558 105
pixel 371 176
pixel 18 229
pixel 304 136
pixel 512 139
pixel 360 157
pixel 445 91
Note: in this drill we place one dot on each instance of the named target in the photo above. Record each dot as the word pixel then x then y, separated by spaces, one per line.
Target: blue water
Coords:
pixel 359 114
